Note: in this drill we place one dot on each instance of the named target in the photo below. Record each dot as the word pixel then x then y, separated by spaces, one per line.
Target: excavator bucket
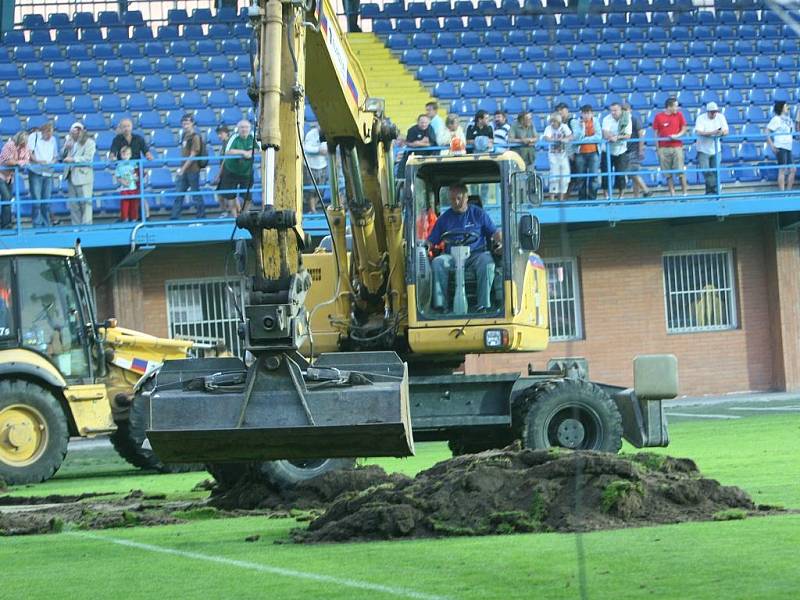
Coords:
pixel 281 407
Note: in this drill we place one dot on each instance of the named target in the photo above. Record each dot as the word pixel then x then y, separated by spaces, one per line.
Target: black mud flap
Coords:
pixel 347 404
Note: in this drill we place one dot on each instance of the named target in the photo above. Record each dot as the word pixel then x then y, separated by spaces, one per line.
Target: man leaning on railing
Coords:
pixel 78 153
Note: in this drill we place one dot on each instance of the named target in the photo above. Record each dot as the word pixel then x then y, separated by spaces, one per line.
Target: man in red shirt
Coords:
pixel 669 126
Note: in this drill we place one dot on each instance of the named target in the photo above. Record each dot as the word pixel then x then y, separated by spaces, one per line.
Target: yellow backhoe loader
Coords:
pixel 383 327
pixel 62 373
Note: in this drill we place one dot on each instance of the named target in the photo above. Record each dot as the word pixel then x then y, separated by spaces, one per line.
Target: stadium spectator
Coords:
pixel 237 168
pixel 44 153
pixel 566 119
pixel 126 137
pixel 437 125
pixel 125 176
pixel 588 136
pixel 317 154
pixel 15 153
pixel 452 138
pixel 501 131
pixel 479 133
pixel 709 127
pixel 524 133
pixel 420 135
pixel 78 153
pixel 780 134
pixel 224 134
pixel 635 151
pixel 617 129
pixel 670 125
pixel 558 136
pixel 187 178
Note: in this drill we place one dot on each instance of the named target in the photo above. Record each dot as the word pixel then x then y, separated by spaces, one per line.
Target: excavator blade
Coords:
pixel 344 405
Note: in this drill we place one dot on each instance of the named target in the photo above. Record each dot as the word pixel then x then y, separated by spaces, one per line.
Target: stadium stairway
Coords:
pixel 388 78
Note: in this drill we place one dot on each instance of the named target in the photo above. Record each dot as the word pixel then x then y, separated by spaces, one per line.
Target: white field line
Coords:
pixel 775 408
pixel 291 573
pixel 700 416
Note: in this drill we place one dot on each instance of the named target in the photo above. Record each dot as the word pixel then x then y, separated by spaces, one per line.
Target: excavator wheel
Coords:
pixel 572 413
pixel 33 433
pixel 128 439
pixel 279 474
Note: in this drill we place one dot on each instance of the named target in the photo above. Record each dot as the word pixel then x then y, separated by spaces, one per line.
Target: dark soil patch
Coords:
pixel 510 491
pixel 318 493
pixel 54 499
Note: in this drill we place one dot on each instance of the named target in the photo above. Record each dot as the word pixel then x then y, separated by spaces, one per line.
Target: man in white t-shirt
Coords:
pixel 710 126
pixel 616 129
pixel 44 151
pixel 780 132
pixel 317 154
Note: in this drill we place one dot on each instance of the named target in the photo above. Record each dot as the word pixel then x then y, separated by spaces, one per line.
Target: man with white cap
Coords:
pixel 710 126
pixel 78 152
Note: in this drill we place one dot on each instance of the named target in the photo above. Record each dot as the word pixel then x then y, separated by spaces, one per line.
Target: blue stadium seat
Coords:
pixel 242 64
pixel 193 65
pixel 66 36
pixel 55 105
pixel 447 39
pixel 529 70
pixel 89 68
pixel 764 46
pixel 601 68
pixel 206 82
pixel 174 118
pixel 688 99
pixel 691 81
pixel 99 86
pixel 541 37
pixel 486 54
pixel 464 8
pixel 782 94
pixel 219 99
pixel 182 83
pixel 636 35
pixel 741 64
pixel 17 88
pixel 45 87
pixel 786 78
pixel 140 66
pixel 101 52
pixel 511 54
pixel 652 50
pixel 642 83
pixel 677 49
pixel 227 14
pixel 790 45
pixel 502 23
pixel 393 10
pixel 138 102
pixel 6 110
pixel 554 70
pixel 241 99
pixel 113 67
pixel 521 87
pixel 495 38
pixel 177 16
pixel 504 71
pixel 559 53
pixel 745 47
pixel 129 50
pixel 535 53
pixel 748 32
pixel 28 106
pixel 133 18
pixel 168 66
pixel 126 84
pixel 232 80
pixel 715 81
pixel 95 121
pixel 242 31
pixel 583 52
pixel 405 26
pixel 732 98
pixel 153 83
pixel 142 33
pixel 208 48
pixel 477 23
pixel 180 48
pixel 33 21
pixel 470 89
pixel 417 9
pixel 167 33
pixel 428 24
pixel 149 119
pixel 657 34
pixel 609 51
pixel 619 83
pixel 111 103
pixel 10 125
pixel 739 80
pixel 108 18
pixel 566 36
pixel 206 117
pixel 545 87
pixel 441 8
pixel 103 140
pixel 40 37
pixel 578 69
pixel 613 36
pixel 672 65
pixel 761 80
pixel 760 96
pixel 718 64
pixel 34 70
pixel 51 53
pixel 648 66
pixel 763 63
pixel 193 100
pixel 626 67
pixel 91 35
pixel 568 85
pixel 117 35
pixel 414 58
pixel 71 86
pixel 428 74
pixel 77 52
pixel 589 36
pixel 639 101
pixel 163 138
pixel 14 37
pixel 539 104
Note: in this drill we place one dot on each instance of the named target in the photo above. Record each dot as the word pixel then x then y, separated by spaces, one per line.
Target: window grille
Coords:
pixel 698 291
pixel 203 310
pixel 563 299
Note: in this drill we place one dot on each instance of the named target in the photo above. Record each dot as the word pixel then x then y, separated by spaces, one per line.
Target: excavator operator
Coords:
pixel 469 225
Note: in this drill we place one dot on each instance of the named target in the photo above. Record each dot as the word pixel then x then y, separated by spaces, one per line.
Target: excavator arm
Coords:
pixel 282 406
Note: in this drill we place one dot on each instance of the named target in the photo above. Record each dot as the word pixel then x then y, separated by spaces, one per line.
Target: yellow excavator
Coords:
pixel 64 373
pixel 355 350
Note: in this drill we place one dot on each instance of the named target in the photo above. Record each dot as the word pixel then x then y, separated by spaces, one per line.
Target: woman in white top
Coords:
pixel 452 131
pixel 558 134
pixel 780 133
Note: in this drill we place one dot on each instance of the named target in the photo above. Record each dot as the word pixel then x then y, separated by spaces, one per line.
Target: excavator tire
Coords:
pixel 279 474
pixel 128 439
pixel 33 433
pixel 572 413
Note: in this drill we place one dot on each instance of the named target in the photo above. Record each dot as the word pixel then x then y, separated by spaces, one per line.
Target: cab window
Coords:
pixel 50 317
pixel 6 300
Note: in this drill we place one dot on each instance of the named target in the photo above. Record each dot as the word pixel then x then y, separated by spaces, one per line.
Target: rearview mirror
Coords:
pixel 529 232
pixel 535 190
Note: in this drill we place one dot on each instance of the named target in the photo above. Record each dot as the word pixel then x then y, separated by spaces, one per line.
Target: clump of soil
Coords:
pixel 510 491
pixel 251 493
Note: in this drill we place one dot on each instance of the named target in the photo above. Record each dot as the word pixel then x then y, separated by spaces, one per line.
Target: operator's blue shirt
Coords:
pixel 473 219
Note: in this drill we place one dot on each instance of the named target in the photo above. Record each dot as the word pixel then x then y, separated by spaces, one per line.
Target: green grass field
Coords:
pixel 753 558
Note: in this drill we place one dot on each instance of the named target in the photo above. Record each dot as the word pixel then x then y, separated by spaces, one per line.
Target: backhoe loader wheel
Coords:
pixel 279 474
pixel 128 440
pixel 33 433
pixel 575 414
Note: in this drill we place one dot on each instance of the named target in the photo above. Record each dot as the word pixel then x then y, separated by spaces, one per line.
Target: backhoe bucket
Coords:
pixel 344 405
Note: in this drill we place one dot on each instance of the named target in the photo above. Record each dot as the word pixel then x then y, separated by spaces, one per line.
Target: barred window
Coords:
pixel 203 310
pixel 698 291
pixel 563 299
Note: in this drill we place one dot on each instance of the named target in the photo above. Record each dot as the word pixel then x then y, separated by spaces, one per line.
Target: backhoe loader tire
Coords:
pixel 278 474
pixel 33 432
pixel 128 439
pixel 572 413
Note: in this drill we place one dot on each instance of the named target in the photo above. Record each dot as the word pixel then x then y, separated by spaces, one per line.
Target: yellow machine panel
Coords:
pixel 90 409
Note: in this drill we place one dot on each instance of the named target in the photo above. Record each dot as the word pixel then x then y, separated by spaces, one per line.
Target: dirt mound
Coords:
pixel 508 491
pixel 252 494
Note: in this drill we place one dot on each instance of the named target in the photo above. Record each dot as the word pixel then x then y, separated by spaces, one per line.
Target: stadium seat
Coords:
pixel 45 88
pixel 194 65
pixel 141 66
pixel 167 33
pixel 192 100
pixel 786 78
pixel 428 74
pixel 206 82
pixel 182 83
pixel 672 65
pixel 178 16
pixel 241 99
pixel 648 66
pixel 66 36
pixel 6 109
pixel 529 70
pixel 535 53
pixel 77 52
pixel 427 24
pixel 206 117
pixel 126 84
pixel 578 69
pixel 117 35
pixel 34 70
pixel 691 82
pixel 232 80
pixel 113 67
pixel 760 96
pixel 619 83
pixel 583 52
pixel 99 86
pixel 51 53
pixel 174 118
pixel 149 119
pixel 28 106
pixel 138 102
pixel 163 138
pixel 71 87
pixel 91 35
pixel 180 48
pixel 626 67
pixel 142 33
pixel 219 99
pixel 761 80
pixel 133 18
pixel 55 105
pixel 111 103
pixel 406 26
pixel 89 68
pixel 600 68
pixel 739 80
pixel 10 125
pixel 732 98
pixel 715 81
pixel 168 66
pixel 95 121
pixel 642 83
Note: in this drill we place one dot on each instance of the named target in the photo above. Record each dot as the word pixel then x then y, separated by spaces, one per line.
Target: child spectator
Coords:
pixel 125 176
pixel 558 134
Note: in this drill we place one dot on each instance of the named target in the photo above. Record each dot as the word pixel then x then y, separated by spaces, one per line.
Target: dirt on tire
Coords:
pixel 511 491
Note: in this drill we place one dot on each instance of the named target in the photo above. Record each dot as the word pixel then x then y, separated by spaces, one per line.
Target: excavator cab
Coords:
pixel 476 282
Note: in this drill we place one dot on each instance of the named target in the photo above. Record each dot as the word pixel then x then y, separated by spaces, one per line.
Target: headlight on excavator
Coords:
pixel 495 338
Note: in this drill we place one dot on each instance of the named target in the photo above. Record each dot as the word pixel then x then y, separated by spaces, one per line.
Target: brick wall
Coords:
pixel 622 297
pixel 621 279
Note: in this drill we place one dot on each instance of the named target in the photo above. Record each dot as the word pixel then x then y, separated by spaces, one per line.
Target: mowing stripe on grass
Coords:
pixel 767 408
pixel 221 560
pixel 701 416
